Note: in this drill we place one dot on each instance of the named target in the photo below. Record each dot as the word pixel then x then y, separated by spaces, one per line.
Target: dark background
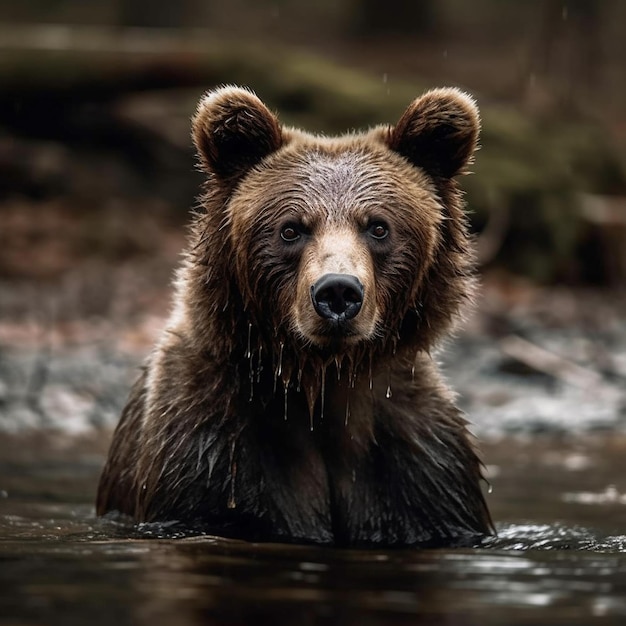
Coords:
pixel 97 171
pixel 95 99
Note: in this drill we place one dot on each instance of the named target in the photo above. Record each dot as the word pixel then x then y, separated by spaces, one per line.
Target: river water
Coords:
pixel 552 438
pixel 559 557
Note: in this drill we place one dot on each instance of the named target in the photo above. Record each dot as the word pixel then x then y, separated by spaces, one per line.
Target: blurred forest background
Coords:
pixel 97 169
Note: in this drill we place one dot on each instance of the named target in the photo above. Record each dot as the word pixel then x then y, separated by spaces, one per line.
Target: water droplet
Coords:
pixel 371 381
pixel 489 487
pixel 388 393
pixel 299 383
pixel 286 396
pixel 248 350
pixel 413 373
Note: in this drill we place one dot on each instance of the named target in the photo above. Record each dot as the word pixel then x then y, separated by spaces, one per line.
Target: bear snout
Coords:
pixel 337 297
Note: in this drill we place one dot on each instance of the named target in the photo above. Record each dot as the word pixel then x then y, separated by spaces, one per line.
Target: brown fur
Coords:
pixel 253 418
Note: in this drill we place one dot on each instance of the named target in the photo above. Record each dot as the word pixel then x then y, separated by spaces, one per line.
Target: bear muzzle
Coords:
pixel 337 298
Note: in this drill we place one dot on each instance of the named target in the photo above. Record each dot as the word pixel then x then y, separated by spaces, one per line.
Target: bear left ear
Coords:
pixel 233 131
pixel 438 132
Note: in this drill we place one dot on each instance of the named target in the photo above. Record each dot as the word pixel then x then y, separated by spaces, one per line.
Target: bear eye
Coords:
pixel 290 233
pixel 378 230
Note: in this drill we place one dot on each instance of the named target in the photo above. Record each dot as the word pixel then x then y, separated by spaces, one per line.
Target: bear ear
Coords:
pixel 438 132
pixel 233 131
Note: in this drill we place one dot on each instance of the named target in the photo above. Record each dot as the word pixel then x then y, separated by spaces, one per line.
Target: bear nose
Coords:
pixel 337 297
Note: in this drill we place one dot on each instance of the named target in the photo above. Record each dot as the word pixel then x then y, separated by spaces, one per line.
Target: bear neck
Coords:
pixel 321 391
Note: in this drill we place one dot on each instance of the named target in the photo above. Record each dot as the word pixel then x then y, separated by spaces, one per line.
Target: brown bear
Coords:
pixel 293 395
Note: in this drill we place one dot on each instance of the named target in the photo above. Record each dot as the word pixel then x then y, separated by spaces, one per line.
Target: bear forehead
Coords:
pixel 330 168
pixel 326 182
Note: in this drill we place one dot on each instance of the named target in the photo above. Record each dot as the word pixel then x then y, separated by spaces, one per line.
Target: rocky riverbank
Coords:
pixel 527 361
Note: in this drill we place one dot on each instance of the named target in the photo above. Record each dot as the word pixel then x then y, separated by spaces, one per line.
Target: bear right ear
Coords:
pixel 233 131
pixel 438 132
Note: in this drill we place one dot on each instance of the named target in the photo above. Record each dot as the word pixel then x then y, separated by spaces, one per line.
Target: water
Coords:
pixel 559 557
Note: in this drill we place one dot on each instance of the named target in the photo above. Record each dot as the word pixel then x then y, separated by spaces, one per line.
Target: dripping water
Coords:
pixel 231 504
pixel 286 384
pixel 413 373
pixel 280 359
pixel 351 374
pixel 248 350
pixel 299 383
pixel 249 356
pixel 323 393
pixel 251 376
pixel 338 363
pixel 347 408
pixel 388 393
pixel 371 380
pixel 259 366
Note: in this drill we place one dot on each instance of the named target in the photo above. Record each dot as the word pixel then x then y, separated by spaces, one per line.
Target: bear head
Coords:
pixel 311 250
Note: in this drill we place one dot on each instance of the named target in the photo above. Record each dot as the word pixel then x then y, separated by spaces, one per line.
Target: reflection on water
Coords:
pixel 60 565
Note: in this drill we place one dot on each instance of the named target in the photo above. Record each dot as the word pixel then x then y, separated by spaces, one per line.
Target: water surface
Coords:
pixel 559 558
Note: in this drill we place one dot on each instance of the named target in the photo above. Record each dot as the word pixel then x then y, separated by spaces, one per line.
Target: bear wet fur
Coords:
pixel 293 395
